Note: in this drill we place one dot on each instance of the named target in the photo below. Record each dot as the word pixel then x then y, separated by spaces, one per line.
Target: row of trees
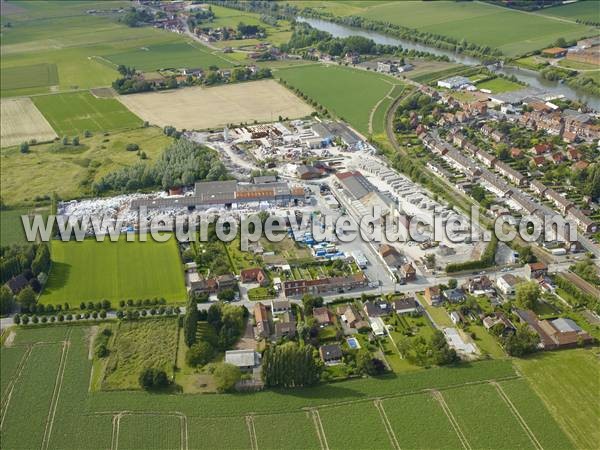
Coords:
pixel 182 163
pixel 23 319
pixel 290 365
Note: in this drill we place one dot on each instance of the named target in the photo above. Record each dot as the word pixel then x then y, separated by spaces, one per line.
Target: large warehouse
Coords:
pixel 227 194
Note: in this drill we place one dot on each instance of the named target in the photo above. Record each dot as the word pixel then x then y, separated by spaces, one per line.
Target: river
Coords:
pixel 530 77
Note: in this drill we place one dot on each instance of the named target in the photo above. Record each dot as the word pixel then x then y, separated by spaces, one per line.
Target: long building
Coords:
pixel 227 194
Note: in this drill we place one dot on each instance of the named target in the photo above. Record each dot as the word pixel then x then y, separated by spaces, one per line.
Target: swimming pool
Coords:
pixel 353 343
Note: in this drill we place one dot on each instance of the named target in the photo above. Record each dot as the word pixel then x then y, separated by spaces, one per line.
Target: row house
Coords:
pixel 563 204
pixel 584 223
pixel 513 175
pixel 486 158
pixel 294 288
pixel 496 185
pixel 538 187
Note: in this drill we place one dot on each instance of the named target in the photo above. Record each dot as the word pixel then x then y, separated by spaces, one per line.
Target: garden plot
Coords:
pixel 21 121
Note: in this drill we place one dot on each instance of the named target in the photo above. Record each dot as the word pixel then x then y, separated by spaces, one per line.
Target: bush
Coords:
pixel 132 147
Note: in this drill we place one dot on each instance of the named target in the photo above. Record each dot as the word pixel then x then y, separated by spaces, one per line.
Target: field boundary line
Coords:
pixel 515 412
pixel 461 436
pixel 387 424
pixel 374 109
pixel 56 392
pixel 320 428
pixel 116 423
pixel 13 383
pixel 251 432
pixel 184 432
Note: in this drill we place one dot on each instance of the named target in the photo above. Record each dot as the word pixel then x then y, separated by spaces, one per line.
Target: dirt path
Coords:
pixel 320 429
pixel 374 109
pixel 11 385
pixel 252 432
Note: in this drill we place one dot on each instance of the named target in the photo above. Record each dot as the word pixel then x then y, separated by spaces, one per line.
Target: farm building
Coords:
pixel 244 359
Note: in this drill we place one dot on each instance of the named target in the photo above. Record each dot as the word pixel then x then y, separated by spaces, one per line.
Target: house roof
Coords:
pixel 242 358
pixel 330 351
pixel 404 304
pixel 322 314
pixel 15 284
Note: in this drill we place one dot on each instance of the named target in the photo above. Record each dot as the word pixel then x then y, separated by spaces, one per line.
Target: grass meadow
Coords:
pixel 92 271
pixel 513 32
pixel 169 55
pixel 350 94
pixel 279 419
pixel 73 113
pixel 567 383
pixel 11 225
pixel 16 79
pixel 587 10
pixel 69 171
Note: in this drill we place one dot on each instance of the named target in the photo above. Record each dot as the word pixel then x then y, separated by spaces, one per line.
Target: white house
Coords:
pixel 506 283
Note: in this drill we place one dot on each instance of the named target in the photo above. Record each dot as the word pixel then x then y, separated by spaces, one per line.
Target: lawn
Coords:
pixel 70 171
pixel 92 271
pixel 499 84
pixel 137 345
pixel 486 342
pixel 419 422
pixel 570 64
pixel 169 55
pixel 73 113
pixel 350 94
pixel 438 314
pixel 567 382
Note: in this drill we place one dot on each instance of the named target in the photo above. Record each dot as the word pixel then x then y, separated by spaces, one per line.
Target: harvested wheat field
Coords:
pixel 21 121
pixel 200 108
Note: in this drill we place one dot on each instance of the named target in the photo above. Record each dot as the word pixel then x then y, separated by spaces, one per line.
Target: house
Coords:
pixel 554 52
pixel 479 285
pixel 557 333
pixel 246 360
pixel 580 165
pixel 516 153
pixel 455 295
pixel 254 275
pixel 584 223
pixel 17 284
pixel 432 296
pixel 574 154
pixel 562 203
pixel 506 283
pixel 558 157
pixel 322 316
pixel 280 306
pixel 496 318
pixel 456 317
pixel 349 315
pixel 535 270
pixel 331 354
pixel 540 149
pixel 261 317
pixel 227 281
pixel 513 175
pixel 325 285
pixel 538 187
pixel 539 161
pixel 408 272
pixel 391 256
pixel 377 326
pixel 285 329
pixel 376 308
pixel 486 158
pixel 406 306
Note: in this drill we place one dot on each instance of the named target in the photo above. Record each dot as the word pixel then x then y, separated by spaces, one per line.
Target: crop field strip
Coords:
pixel 21 121
pixel 365 421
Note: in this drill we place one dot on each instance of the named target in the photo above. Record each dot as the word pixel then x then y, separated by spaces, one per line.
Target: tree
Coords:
pixel 24 148
pixel 7 300
pixel 522 342
pixel 367 365
pixel 452 283
pixel 153 378
pixel 226 376
pixel 76 140
pixel 290 365
pixel 200 354
pixel 226 295
pixel 310 301
pixel 527 294
pixel 26 298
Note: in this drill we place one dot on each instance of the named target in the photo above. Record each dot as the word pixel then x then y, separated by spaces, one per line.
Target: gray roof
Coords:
pixel 265 179
pixel 242 358
pixel 356 185
pixel 565 325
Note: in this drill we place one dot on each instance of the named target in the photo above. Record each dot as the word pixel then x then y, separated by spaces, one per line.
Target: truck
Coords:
pixel 558 251
pixel 360 259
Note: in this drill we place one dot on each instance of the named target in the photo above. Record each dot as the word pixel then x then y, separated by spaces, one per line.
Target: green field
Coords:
pixel 348 93
pixel 498 85
pixel 171 55
pixel 23 77
pixel 92 271
pixel 568 384
pixel 584 10
pixel 73 113
pixel 513 32
pixel 347 415
pixel 69 171
pixel 11 225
